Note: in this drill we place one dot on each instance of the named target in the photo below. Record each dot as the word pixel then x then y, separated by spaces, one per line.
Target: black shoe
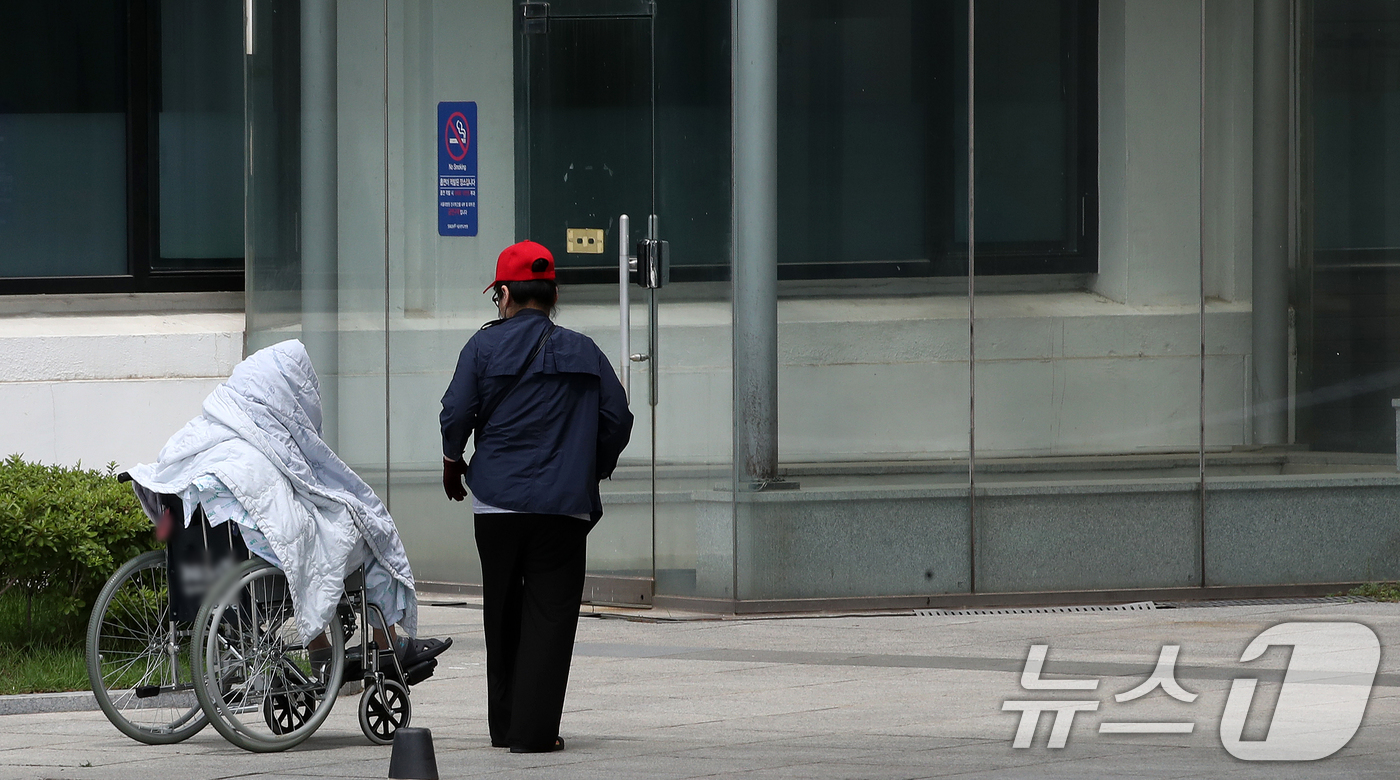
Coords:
pixel 558 745
pixel 412 651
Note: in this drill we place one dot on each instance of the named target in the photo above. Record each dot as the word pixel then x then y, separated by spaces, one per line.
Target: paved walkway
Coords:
pixel 839 697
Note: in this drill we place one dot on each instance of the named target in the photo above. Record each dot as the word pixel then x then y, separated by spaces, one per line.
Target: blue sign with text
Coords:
pixel 457 142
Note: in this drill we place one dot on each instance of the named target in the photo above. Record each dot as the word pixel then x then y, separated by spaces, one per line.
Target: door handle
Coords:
pixel 653 270
pixel 624 267
pixel 248 27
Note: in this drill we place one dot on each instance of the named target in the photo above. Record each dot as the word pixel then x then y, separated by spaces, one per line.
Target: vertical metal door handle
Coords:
pixel 653 331
pixel 624 306
pixel 248 27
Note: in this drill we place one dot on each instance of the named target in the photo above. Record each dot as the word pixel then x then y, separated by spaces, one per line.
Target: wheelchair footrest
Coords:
pixel 420 671
pixel 355 668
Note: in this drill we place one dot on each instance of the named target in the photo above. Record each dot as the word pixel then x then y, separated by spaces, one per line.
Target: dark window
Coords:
pixel 63 107
pixel 120 146
pixel 872 133
pixel 1349 290
pixel 872 129
pixel 201 136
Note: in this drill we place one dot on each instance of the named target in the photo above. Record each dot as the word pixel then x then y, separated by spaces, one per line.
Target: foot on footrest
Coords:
pixel 413 651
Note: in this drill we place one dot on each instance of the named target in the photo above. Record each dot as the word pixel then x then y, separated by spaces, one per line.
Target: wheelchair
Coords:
pixel 203 632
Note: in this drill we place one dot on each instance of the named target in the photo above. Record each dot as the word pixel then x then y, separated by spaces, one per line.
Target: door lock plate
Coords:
pixel 653 263
pixel 584 241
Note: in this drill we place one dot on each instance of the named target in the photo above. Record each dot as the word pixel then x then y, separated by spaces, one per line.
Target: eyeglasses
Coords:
pixel 496 297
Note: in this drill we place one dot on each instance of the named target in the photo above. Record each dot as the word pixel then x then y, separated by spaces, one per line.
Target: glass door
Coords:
pixel 585 188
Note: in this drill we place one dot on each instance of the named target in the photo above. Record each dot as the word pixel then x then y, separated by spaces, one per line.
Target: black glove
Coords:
pixel 452 473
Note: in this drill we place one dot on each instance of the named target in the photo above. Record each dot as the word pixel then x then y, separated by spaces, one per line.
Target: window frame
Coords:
pixel 143 89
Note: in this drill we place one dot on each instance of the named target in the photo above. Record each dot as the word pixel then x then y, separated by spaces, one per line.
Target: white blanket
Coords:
pixel 260 435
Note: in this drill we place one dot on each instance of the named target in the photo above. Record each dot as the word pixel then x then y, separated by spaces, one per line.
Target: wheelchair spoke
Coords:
pixel 137 657
pixel 259 683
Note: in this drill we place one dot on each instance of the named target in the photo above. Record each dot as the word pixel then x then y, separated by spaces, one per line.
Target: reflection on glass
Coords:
pixel 873 121
pixel 693 135
pixel 588 131
pixel 272 96
pixel 592 85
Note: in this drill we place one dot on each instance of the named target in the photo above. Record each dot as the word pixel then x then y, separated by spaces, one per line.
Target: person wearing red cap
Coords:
pixel 548 419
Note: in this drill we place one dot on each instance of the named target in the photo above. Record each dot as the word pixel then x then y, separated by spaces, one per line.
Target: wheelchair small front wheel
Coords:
pixel 138 658
pixel 384 709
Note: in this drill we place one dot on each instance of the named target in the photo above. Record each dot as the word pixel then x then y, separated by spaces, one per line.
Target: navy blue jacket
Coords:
pixel 557 434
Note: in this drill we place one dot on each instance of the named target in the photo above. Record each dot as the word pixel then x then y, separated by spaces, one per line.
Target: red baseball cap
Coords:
pixel 523 262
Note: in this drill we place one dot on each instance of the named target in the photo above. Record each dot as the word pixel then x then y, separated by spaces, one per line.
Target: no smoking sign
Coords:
pixel 457 191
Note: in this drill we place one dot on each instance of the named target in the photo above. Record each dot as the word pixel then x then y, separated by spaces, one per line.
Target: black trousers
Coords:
pixel 532 580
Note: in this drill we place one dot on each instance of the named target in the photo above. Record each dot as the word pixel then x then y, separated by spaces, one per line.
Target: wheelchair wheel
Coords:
pixel 384 709
pixel 262 688
pixel 139 660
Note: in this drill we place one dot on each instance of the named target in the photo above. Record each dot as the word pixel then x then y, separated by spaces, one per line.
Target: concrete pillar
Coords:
pixel 755 240
pixel 318 223
pixel 1149 152
pixel 1270 268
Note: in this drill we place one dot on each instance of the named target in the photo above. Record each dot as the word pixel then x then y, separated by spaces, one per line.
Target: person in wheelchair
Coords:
pixel 255 460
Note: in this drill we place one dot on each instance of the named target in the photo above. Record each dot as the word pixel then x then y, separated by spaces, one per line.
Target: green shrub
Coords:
pixel 63 531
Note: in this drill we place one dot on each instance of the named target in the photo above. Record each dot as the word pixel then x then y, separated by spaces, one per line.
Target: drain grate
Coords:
pixel 1265 602
pixel 1136 606
pixel 1139 606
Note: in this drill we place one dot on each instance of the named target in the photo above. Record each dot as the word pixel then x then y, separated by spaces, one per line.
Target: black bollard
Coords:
pixel 413 757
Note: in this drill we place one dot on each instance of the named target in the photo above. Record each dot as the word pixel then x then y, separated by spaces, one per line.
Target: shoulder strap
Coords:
pixel 489 409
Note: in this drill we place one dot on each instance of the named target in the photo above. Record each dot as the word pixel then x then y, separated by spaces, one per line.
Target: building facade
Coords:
pixel 1148 344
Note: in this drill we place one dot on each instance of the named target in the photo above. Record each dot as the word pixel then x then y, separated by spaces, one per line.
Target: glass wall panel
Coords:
pixel 63 144
pixel 690 93
pixel 1031 80
pixel 873 132
pixel 442 52
pixel 872 377
pixel 581 116
pixel 1352 234
pixel 693 136
pixel 1248 259
pixel 1236 312
pixel 315 230
pixel 692 363
pixel 201 136
pixel 1302 469
pixel 1088 389
pixel 586 124
pixel 1181 230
